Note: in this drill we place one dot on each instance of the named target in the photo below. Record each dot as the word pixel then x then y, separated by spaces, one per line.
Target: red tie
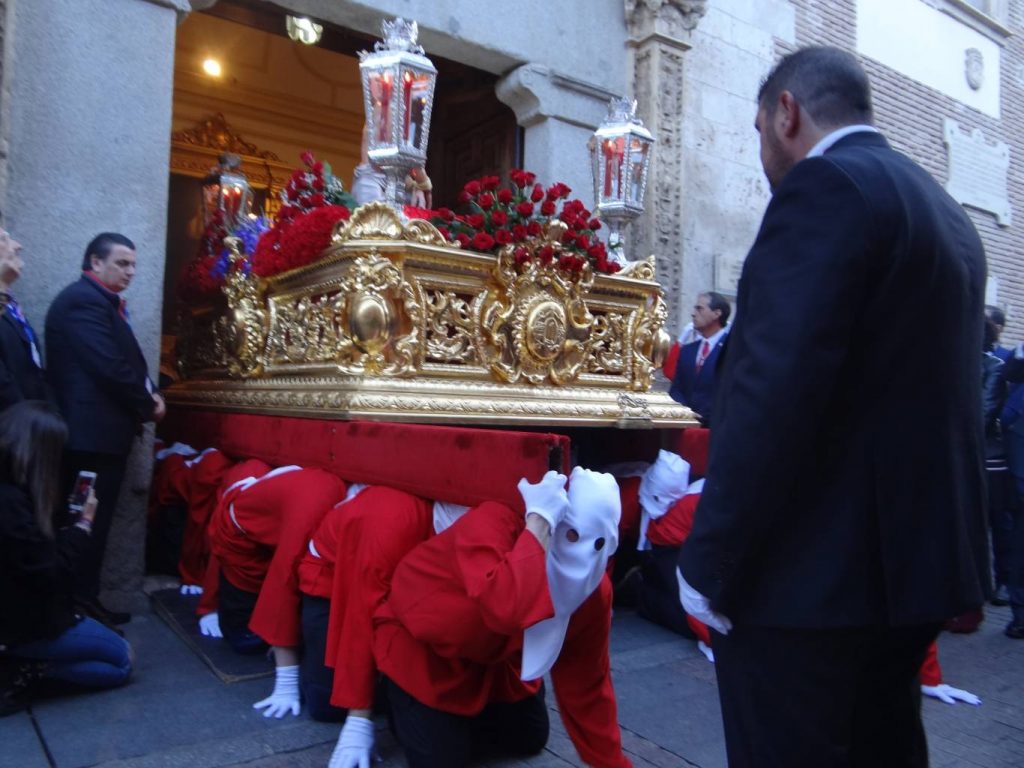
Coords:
pixel 705 350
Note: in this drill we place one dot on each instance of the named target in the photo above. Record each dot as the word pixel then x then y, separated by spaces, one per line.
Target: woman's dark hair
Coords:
pixel 991 335
pixel 32 437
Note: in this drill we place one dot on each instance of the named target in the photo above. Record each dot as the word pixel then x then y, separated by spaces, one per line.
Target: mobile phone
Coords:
pixel 84 484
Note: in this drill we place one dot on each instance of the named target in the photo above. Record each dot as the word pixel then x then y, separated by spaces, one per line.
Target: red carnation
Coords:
pixel 518 177
pixel 594 225
pixel 504 196
pixel 533 228
pixel 446 213
pixel 318 167
pixel 525 209
pixel 538 193
pixel 499 218
pixel 464 197
pixel 547 208
pixel 486 201
pixel 482 242
pixel 472 188
pixel 463 239
pixel 518 233
pixel 521 255
pixel 317 200
pixel 445 233
pixel 547 254
pixel 307 157
pixel 318 184
pixel 475 220
pixel 490 182
pixel 502 236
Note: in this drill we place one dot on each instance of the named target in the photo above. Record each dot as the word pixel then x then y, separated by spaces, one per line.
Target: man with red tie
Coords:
pixel 694 382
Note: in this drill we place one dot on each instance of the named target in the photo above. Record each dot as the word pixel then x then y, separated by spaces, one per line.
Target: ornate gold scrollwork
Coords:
pixel 449 328
pixel 534 323
pixel 243 331
pixel 378 221
pixel 368 321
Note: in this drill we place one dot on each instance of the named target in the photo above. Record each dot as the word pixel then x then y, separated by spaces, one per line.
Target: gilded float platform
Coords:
pixel 394 323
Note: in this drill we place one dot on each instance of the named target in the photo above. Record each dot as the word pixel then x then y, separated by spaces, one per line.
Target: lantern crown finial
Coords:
pixel 622 110
pixel 399 35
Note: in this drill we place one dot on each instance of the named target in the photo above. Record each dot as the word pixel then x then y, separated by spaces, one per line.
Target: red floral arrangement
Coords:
pixel 312 203
pixel 500 216
pixel 199 281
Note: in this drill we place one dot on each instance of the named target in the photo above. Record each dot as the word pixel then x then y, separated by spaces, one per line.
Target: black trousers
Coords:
pixel 1002 517
pixel 316 679
pixel 109 469
pixel 435 739
pixel 822 698
pixel 659 594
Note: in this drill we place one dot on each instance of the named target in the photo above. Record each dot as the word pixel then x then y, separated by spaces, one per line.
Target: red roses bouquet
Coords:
pixel 499 216
pixel 313 201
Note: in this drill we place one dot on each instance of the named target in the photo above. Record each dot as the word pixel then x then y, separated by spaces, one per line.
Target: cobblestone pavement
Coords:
pixel 177 713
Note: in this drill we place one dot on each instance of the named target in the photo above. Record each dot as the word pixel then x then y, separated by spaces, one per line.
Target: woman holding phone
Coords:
pixel 41 637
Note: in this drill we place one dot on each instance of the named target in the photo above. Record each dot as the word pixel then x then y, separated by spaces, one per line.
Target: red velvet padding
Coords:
pixel 693 445
pixel 457 464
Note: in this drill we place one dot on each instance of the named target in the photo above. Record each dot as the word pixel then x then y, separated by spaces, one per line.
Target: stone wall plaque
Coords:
pixel 727 273
pixel 977 169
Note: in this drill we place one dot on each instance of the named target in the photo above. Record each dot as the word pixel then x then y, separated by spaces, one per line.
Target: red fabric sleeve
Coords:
pixel 583 683
pixel 304 498
pixel 669 366
pixel 931 672
pixel 379 527
pixel 700 629
pixel 673 528
pixel 507 580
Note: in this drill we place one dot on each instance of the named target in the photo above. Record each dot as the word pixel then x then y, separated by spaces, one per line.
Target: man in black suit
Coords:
pixel 102 386
pixel 694 382
pixel 21 371
pixel 845 478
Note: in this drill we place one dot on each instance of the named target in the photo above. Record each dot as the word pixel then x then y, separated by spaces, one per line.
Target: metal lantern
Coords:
pixel 620 153
pixel 226 189
pixel 398 95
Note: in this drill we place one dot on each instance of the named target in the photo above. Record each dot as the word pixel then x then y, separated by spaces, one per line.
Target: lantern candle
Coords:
pixel 407 98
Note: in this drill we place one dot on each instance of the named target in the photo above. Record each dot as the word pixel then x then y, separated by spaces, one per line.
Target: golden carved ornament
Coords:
pixel 395 323
pixel 536 325
pixel 244 329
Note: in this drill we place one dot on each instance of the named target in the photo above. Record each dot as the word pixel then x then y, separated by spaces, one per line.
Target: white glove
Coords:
pixel 355 744
pixel 209 625
pixel 546 498
pixel 191 589
pixel 706 650
pixel 285 697
pixel 949 694
pixel 698 606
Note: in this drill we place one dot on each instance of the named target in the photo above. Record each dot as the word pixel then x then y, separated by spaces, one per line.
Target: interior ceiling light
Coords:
pixel 212 67
pixel 304 30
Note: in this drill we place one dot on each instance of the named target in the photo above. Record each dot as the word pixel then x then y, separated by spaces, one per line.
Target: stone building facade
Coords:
pixel 86 113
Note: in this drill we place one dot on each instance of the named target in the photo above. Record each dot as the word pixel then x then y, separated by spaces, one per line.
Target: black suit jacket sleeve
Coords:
pixel 801 292
pixel 104 359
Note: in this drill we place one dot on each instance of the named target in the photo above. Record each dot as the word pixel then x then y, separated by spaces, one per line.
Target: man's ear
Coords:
pixel 94 261
pixel 788 115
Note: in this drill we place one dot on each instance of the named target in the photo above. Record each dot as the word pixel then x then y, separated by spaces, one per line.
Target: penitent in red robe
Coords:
pixel 365 538
pixel 204 483
pixel 260 537
pixel 451 632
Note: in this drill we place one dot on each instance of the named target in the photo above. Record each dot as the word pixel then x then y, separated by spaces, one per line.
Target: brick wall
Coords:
pixel 911 116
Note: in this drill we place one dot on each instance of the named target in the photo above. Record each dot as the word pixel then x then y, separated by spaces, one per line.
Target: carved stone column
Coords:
pixel 658 34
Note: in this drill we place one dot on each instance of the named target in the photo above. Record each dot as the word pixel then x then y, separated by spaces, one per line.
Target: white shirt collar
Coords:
pixel 714 339
pixel 826 143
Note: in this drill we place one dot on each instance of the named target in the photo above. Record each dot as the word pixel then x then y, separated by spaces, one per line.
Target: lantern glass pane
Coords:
pixel 381 86
pixel 415 93
pixel 211 199
pixel 638 157
pixel 231 201
pixel 613 151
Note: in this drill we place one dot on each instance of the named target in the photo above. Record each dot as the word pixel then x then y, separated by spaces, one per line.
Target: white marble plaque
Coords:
pixel 977 171
pixel 727 274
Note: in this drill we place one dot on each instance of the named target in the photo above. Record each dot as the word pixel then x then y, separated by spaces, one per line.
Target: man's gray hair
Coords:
pixel 828 83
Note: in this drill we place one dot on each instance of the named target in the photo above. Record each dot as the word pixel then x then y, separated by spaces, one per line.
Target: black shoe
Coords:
pixel 94 609
pixel 1001 596
pixel 1014 630
pixel 19 680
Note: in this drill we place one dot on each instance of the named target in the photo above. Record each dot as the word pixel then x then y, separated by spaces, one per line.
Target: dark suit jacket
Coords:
pixel 846 478
pixel 97 369
pixel 696 390
pixel 20 377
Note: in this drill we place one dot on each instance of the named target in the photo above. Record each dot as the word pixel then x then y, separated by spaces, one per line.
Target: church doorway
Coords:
pixel 242 85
